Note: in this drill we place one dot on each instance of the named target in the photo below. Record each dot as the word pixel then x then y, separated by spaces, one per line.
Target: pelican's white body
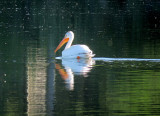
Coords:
pixel 75 51
pixel 81 51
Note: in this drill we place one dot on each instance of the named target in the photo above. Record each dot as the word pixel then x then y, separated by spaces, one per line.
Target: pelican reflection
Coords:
pixel 71 67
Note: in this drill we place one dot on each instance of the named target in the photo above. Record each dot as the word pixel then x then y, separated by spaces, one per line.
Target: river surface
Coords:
pixel 122 79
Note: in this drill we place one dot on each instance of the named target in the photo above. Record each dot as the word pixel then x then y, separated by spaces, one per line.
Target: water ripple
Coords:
pixel 124 59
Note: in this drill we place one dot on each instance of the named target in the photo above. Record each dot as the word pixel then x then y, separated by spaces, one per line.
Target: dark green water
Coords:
pixel 32 82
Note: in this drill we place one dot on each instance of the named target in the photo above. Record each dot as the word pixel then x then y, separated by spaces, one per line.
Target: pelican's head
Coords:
pixel 69 36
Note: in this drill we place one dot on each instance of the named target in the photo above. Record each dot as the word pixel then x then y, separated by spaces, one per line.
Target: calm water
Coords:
pixel 122 79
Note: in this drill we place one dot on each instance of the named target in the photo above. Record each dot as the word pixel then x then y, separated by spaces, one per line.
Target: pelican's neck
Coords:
pixel 69 42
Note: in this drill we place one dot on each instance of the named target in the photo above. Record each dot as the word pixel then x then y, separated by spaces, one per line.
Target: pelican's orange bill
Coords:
pixel 61 44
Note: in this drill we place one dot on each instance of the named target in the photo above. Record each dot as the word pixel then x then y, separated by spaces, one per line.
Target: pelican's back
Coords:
pixel 81 51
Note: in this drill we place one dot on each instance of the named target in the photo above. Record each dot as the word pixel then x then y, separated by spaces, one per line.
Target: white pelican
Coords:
pixel 74 51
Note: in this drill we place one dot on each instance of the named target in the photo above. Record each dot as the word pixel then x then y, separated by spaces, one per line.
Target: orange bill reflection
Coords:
pixel 74 67
pixel 67 76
